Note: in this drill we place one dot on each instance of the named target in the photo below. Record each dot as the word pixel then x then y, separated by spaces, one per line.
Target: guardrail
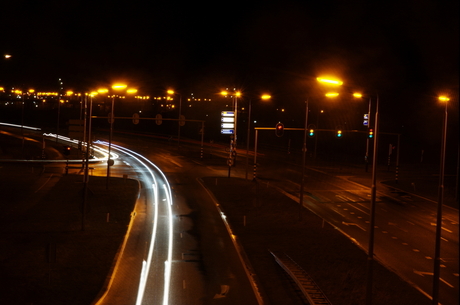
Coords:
pixel 306 284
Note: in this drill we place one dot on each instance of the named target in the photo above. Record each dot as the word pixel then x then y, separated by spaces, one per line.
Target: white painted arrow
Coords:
pixel 353 224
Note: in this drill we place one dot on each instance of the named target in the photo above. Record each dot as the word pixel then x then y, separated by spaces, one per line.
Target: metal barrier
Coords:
pixel 306 284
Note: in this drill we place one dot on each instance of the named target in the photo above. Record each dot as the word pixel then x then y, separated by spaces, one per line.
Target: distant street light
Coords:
pixel 232 152
pixel 329 81
pixel 180 121
pixel 331 94
pixel 437 252
pixel 263 97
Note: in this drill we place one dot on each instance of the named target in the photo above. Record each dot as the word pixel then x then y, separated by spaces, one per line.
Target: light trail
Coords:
pixel 104 152
pixel 20 126
pixel 167 189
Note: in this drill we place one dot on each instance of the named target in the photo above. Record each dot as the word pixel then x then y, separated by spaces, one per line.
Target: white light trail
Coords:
pixel 170 247
pixel 167 188
pixel 20 126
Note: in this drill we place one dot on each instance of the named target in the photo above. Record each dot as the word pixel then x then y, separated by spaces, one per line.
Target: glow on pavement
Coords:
pixel 147 264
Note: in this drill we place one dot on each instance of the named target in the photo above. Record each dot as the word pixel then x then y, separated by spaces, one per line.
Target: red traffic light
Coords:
pixel 279 129
pixel 66 150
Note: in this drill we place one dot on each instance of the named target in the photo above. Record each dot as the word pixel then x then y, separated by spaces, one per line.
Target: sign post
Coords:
pixel 227 126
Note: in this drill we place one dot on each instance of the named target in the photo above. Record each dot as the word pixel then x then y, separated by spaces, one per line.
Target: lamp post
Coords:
pixel 115 87
pixel 233 142
pixel 324 81
pixel 180 120
pixel 262 97
pixel 370 252
pixel 437 252
pixel 304 152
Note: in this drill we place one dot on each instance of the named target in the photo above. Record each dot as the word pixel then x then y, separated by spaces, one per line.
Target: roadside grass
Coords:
pixel 46 257
pixel 263 219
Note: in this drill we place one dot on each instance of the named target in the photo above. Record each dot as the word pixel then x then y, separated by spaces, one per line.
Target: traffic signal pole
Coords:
pixel 304 152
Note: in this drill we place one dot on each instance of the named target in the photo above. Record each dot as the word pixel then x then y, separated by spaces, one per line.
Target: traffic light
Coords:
pixel 279 129
pixel 371 133
pixel 66 150
pixel 311 132
pixel 338 133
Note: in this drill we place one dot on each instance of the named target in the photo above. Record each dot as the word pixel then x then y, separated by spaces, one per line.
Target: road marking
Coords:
pixel 421 273
pixel 447 230
pixel 362 211
pixel 174 162
pixel 396 226
pixel 353 224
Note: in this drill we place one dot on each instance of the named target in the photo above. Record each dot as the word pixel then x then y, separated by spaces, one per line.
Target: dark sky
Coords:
pixel 407 51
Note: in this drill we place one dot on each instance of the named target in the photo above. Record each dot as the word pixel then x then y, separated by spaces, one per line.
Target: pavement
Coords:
pixel 40 257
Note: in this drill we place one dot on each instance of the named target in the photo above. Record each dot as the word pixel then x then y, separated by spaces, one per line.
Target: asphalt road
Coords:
pixel 205 266
pixel 405 222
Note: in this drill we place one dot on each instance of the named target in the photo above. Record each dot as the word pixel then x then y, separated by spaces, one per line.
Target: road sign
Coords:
pixel 227 125
pixel 227 131
pixel 366 119
pixel 136 118
pixel 228 113
pixel 228 122
pixel 227 119
pixel 158 119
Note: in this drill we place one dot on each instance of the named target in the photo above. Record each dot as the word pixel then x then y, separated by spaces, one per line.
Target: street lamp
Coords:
pixel 370 253
pixel 115 87
pixel 232 152
pixel 263 97
pixel 437 252
pixel 180 121
pixel 304 147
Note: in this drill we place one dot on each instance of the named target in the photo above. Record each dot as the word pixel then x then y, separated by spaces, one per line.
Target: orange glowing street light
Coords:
pixel 181 119
pixel 119 86
pixel 329 81
pixel 266 97
pixel 443 98
pixel 332 94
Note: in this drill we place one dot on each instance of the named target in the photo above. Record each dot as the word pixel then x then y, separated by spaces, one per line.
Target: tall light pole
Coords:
pixel 115 87
pixel 304 152
pixel 370 252
pixel 327 82
pixel 180 120
pixel 262 97
pixel 437 252
pixel 233 143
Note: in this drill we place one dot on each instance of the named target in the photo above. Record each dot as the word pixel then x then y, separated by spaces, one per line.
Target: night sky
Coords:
pixel 406 51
